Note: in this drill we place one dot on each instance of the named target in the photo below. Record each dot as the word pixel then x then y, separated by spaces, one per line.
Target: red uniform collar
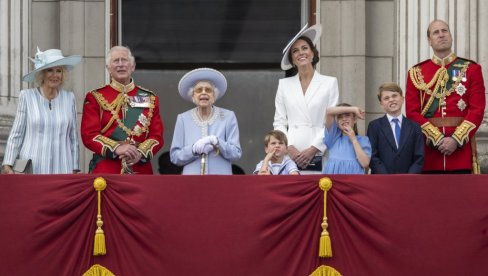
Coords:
pixel 444 61
pixel 122 88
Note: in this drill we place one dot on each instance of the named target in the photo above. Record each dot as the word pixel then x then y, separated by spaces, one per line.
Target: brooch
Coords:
pixel 461 89
pixel 461 104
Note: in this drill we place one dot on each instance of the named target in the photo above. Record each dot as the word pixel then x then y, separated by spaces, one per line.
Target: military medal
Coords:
pixel 143 119
pixel 461 104
pixel 461 89
pixel 140 101
pixel 455 74
pixel 137 130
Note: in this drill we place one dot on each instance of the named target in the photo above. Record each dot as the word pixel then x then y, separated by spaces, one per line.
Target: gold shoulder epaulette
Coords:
pixel 146 90
pixel 468 60
pixel 98 88
pixel 420 63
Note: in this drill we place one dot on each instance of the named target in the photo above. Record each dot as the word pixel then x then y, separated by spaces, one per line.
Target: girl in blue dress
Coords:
pixel 349 153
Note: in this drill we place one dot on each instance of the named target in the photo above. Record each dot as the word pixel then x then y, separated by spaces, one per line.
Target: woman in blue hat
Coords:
pixel 45 127
pixel 206 138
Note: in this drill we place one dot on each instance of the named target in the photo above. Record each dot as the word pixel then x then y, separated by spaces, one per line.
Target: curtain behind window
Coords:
pixel 233 32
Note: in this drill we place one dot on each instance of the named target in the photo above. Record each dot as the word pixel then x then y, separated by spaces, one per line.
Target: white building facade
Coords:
pixel 364 43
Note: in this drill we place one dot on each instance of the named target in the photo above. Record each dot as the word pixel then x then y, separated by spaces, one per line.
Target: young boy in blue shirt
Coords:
pixel 276 161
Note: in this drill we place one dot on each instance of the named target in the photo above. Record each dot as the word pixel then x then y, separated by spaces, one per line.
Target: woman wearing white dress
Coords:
pixel 302 99
pixel 45 127
pixel 206 138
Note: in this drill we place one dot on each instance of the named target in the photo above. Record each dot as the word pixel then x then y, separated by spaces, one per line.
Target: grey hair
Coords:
pixel 108 59
pixel 215 89
pixel 39 79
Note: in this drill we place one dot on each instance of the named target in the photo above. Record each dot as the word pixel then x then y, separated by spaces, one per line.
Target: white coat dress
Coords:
pixel 301 116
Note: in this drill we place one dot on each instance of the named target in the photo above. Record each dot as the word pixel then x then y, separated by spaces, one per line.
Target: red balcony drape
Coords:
pixel 245 225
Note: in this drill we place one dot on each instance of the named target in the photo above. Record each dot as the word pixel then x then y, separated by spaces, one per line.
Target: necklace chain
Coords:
pixel 41 91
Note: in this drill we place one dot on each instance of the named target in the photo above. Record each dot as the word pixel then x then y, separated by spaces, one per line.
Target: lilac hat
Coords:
pixel 48 59
pixel 313 33
pixel 191 78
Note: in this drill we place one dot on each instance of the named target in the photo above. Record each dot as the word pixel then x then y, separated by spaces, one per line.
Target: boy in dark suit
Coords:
pixel 396 141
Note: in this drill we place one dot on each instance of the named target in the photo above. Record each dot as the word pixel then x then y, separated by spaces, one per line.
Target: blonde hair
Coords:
pixel 40 76
pixel 278 134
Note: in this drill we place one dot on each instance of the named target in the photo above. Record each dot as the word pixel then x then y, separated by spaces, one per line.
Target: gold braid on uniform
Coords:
pixel 145 148
pixel 114 108
pixel 107 143
pixel 432 133
pixel 440 79
pixel 461 134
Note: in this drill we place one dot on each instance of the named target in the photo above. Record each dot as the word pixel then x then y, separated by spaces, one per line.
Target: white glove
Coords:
pixel 208 148
pixel 200 144
pixel 212 139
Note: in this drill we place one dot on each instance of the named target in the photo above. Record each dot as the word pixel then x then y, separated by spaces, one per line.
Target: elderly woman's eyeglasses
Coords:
pixel 202 89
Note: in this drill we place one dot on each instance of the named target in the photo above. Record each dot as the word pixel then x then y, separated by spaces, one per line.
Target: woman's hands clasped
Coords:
pixel 303 158
pixel 205 145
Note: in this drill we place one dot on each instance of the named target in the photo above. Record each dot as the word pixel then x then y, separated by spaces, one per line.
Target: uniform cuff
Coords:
pixel 432 133
pixel 461 134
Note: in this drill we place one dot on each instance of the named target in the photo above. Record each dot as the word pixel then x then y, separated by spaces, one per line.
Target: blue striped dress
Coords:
pixel 46 134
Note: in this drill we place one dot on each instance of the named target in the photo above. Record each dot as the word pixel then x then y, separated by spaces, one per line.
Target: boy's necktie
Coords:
pixel 397 131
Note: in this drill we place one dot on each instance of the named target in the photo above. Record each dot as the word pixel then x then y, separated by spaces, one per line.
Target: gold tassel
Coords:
pixel 324 270
pixel 476 166
pixel 476 163
pixel 98 270
pixel 99 247
pixel 325 248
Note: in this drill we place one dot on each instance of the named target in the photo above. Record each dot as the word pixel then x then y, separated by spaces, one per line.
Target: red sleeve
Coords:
pixel 91 127
pixel 412 102
pixel 155 133
pixel 476 91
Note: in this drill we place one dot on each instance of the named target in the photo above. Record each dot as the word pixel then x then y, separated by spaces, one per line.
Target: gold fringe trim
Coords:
pixel 99 247
pixel 324 270
pixel 325 247
pixel 98 270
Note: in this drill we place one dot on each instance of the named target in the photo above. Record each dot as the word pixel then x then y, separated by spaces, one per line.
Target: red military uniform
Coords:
pixel 112 117
pixel 447 98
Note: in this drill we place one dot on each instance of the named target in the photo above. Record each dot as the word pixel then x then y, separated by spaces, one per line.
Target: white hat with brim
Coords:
pixel 313 33
pixel 48 59
pixel 193 77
